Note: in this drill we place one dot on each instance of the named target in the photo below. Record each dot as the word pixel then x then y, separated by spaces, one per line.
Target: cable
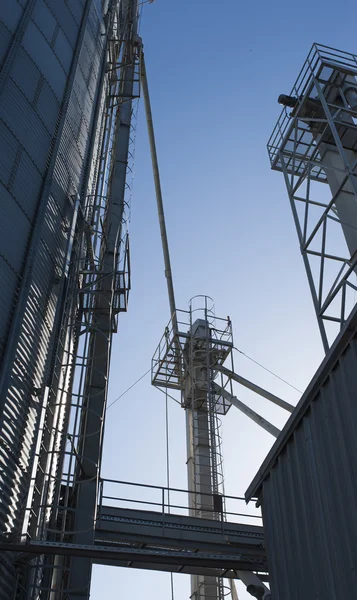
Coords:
pixel 129 388
pixel 166 394
pixel 167 430
pixel 268 370
pixel 172 587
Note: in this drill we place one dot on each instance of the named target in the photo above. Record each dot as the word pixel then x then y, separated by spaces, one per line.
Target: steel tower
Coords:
pixel 187 361
pixel 194 357
pixel 69 76
pixel 315 143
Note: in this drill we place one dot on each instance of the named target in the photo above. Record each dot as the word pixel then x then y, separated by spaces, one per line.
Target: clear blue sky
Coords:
pixel 215 69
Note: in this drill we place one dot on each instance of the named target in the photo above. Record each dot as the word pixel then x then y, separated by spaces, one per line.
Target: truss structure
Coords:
pixel 315 146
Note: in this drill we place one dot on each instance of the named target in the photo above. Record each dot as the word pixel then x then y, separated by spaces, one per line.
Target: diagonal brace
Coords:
pixel 269 427
pixel 255 388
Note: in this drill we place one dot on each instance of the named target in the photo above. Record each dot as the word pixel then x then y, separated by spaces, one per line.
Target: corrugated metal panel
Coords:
pixel 55 233
pixel 25 74
pixel 67 20
pixel 14 232
pixel 308 485
pixel 9 285
pixel 85 62
pixel 63 50
pixel 10 18
pixel 25 124
pixel 26 185
pixel 5 40
pixel 44 57
pixel 45 20
pixel 62 180
pixel 30 104
pixel 75 7
pixel 47 106
pixel 8 149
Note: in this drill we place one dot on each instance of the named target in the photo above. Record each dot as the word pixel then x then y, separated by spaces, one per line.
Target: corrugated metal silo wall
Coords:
pixel 51 55
pixel 308 487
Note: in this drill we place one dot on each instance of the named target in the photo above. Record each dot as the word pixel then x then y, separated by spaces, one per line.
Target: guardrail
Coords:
pixel 175 501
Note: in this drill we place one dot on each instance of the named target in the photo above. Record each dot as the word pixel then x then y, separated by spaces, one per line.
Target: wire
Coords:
pixel 268 370
pixel 166 394
pixel 172 587
pixel 129 388
pixel 167 431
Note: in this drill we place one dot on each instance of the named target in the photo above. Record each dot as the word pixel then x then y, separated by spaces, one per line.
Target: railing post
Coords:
pixel 101 487
pixel 163 510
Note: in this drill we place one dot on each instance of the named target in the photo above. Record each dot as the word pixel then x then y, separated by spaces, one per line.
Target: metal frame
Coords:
pixel 193 345
pixel 63 495
pixel 106 286
pixel 316 144
pixel 168 501
pixel 160 534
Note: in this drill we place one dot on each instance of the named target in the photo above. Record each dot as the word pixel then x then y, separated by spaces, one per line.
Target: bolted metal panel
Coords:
pixel 25 124
pixel 45 58
pixel 9 284
pixel 308 485
pixel 63 50
pixel 24 183
pixel 47 105
pixel 14 231
pixel 8 149
pixel 75 7
pixel 44 20
pixel 10 18
pixel 5 40
pixel 25 74
pixel 69 20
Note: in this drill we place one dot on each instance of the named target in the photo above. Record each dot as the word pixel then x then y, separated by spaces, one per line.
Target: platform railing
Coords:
pixel 172 501
pixel 320 57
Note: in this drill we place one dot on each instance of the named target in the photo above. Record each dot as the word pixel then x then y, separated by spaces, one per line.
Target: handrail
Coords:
pixel 164 502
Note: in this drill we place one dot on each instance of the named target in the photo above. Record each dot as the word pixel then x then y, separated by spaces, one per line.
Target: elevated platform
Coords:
pixel 182 544
pixel 153 537
pixel 163 542
pixel 195 333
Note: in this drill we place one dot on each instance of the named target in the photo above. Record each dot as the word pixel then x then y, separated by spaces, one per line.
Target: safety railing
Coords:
pixel 173 501
pixel 168 362
pixel 320 57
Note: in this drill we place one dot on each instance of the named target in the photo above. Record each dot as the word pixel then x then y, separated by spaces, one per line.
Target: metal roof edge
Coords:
pixel 328 363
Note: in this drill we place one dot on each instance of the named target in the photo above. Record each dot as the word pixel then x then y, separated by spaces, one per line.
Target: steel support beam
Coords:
pixel 198 562
pixel 161 541
pixel 263 423
pixel 256 388
pixel 122 525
